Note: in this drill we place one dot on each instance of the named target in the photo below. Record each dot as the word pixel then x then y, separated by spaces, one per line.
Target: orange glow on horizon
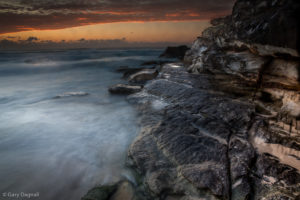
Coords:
pixel 133 31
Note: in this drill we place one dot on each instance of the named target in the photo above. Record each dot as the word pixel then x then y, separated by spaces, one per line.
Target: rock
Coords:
pixel 122 190
pixel 124 89
pixel 198 146
pixel 239 45
pixel 230 127
pixel 143 76
pixel 267 27
pixel 275 180
pixel 267 22
pixel 188 149
pixel 125 191
pixel 175 52
pixel 100 193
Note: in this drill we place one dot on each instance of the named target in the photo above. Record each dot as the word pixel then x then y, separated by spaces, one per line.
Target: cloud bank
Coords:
pixel 33 43
pixel 22 15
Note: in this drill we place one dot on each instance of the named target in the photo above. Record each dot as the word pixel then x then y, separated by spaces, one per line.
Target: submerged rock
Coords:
pixel 124 89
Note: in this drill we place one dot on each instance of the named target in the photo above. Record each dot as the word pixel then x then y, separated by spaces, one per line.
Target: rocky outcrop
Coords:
pixel 175 52
pixel 196 146
pixel 227 125
pixel 257 43
pixel 124 89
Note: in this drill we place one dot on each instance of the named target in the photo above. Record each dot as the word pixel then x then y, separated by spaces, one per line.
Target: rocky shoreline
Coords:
pixel 225 122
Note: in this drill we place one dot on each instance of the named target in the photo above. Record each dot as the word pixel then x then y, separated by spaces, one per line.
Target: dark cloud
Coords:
pixel 19 15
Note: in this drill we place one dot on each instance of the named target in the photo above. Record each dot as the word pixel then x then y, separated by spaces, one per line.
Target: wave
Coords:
pixel 71 94
pixel 57 63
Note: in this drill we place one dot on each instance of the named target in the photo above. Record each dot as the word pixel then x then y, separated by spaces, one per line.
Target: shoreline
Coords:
pixel 223 124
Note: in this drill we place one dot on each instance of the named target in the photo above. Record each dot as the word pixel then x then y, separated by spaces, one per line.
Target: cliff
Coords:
pixel 226 125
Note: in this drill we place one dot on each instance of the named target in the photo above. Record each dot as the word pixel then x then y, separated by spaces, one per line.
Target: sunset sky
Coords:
pixel 130 21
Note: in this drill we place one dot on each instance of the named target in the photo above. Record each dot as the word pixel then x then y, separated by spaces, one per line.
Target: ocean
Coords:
pixel 61 132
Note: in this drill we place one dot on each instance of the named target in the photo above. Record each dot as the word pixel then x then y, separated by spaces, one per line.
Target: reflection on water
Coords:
pixel 61 147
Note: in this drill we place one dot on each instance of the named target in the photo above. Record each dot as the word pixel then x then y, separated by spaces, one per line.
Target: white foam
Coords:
pixel 158 104
pixel 71 94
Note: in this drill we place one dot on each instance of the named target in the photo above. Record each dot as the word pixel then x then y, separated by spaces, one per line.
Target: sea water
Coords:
pixel 61 132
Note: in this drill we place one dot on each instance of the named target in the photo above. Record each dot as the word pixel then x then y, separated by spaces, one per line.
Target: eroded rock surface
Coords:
pixel 199 143
pixel 227 124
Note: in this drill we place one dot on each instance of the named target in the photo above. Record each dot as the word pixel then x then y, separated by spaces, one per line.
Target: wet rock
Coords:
pixel 125 191
pixel 122 190
pixel 143 76
pixel 237 98
pixel 198 145
pixel 100 193
pixel 190 141
pixel 124 89
pixel 175 52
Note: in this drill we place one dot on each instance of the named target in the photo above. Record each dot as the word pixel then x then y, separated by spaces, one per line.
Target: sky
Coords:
pixel 106 22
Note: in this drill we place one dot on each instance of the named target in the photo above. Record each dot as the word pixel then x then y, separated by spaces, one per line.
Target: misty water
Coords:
pixel 61 132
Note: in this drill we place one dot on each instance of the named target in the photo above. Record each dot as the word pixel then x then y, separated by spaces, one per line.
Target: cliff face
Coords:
pixel 229 128
pixel 259 43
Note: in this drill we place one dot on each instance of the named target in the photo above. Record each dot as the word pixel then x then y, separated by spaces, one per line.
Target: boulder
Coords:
pixel 175 52
pixel 124 89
